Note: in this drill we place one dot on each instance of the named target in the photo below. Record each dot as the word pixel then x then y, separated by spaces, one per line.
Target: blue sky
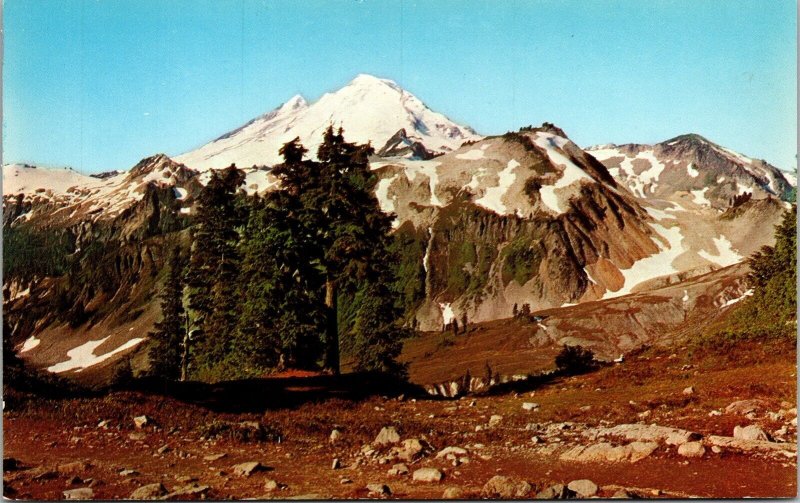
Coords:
pixel 98 85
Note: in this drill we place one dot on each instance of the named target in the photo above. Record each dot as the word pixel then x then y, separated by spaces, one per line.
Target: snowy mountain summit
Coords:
pixel 368 108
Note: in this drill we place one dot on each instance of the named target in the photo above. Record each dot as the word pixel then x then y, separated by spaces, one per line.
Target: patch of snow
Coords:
pixel 589 276
pixel 180 193
pixel 447 312
pixel 382 193
pixel 659 214
pixel 30 343
pixel 654 266
pixel 553 145
pixel 429 169
pixel 720 179
pixel 790 177
pixel 493 196
pixel 427 256
pixel 83 356
pixel 692 171
pixel 186 211
pixel 731 302
pixel 699 197
pixel 685 296
pixel 471 155
pixel 725 255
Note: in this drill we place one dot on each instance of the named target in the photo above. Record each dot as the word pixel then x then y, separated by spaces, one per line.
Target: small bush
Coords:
pixel 574 360
pixel 246 431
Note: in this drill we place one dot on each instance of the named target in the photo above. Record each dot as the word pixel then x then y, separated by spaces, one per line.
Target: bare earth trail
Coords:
pixel 177 449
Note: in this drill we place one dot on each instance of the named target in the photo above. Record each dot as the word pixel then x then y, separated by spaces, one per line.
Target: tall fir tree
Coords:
pixel 213 267
pixel 167 340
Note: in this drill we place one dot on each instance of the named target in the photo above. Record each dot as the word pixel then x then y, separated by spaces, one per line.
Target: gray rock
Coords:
pixel 387 436
pixel 751 432
pixel 214 457
pixel 73 468
pixel 128 473
pixel 399 469
pixel 148 492
pixel 271 485
pixel 688 391
pixel 345 480
pixel 83 493
pixel 137 436
pixel 246 469
pixel 141 421
pixel 584 488
pixel 554 492
pixel 412 449
pixel 163 449
pixel 504 487
pixel 451 452
pixel 691 450
pixel 624 494
pixel 336 435
pixel 453 493
pixel 379 489
pixel 187 492
pixel 744 407
pixel 495 420
pixel 427 475
pixel 530 406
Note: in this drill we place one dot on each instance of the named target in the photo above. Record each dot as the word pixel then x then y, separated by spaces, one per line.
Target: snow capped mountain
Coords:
pixel 690 164
pixel 368 108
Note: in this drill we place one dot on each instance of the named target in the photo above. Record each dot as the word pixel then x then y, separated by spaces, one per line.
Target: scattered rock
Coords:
pixel 644 415
pixel 398 469
pixel 83 493
pixel 604 451
pixel 335 465
pixel 137 435
pixel 379 489
pixel 744 407
pixel 187 492
pixel 495 420
pixel 751 432
pixel 584 488
pixel 504 487
pixel 750 445
pixel 453 493
pixel 336 435
pixel 624 494
pixel 716 449
pixel 345 481
pixel 427 475
pixel 128 473
pixel 163 449
pixel 555 492
pixel 73 467
pixel 271 485
pixel 214 457
pixel 387 436
pixel 104 424
pixel 648 433
pixel 530 406
pixel 412 449
pixel 246 469
pixel 691 450
pixel 688 391
pixel 148 492
pixel 141 421
pixel 451 452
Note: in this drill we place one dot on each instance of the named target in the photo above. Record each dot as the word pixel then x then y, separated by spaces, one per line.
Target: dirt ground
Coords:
pixel 178 446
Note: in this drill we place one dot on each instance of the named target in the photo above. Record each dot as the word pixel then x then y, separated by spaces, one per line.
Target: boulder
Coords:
pixel 530 406
pixel 495 420
pixel 387 436
pixel 555 492
pixel 427 475
pixel 691 450
pixel 751 445
pixel 214 457
pixel 399 469
pixel 336 435
pixel 141 421
pixel 335 465
pixel 751 432
pixel 247 469
pixel 379 489
pixel 744 407
pixel 504 487
pixel 453 493
pixel 187 492
pixel 271 485
pixel 148 492
pixel 451 452
pixel 83 493
pixel 583 488
pixel 604 451
pixel 688 391
pixel 412 449
pixel 73 468
pixel 648 433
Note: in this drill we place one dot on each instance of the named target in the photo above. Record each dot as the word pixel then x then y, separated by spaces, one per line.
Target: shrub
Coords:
pixel 574 360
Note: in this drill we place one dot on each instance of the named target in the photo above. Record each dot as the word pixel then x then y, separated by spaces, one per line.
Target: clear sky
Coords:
pixel 100 84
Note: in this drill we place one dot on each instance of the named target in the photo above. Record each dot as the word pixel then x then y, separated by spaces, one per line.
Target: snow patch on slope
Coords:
pixel 725 255
pixel 493 196
pixel 83 356
pixel 553 146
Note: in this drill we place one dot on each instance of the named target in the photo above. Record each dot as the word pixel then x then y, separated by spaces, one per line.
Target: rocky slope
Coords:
pixel 483 224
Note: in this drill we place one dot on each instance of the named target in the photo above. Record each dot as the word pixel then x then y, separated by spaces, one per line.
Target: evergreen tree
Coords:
pixel 342 228
pixel 167 340
pixel 213 266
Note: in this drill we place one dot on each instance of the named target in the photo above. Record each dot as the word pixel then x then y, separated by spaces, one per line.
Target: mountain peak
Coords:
pixel 294 103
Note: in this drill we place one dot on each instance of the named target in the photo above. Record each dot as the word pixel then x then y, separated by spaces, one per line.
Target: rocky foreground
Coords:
pixel 660 424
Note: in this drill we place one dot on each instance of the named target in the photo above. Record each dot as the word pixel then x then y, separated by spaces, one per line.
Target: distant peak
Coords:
pixel 365 79
pixel 688 138
pixel 295 102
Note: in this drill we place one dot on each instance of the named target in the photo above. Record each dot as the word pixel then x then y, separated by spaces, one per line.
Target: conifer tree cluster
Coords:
pixel 277 280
